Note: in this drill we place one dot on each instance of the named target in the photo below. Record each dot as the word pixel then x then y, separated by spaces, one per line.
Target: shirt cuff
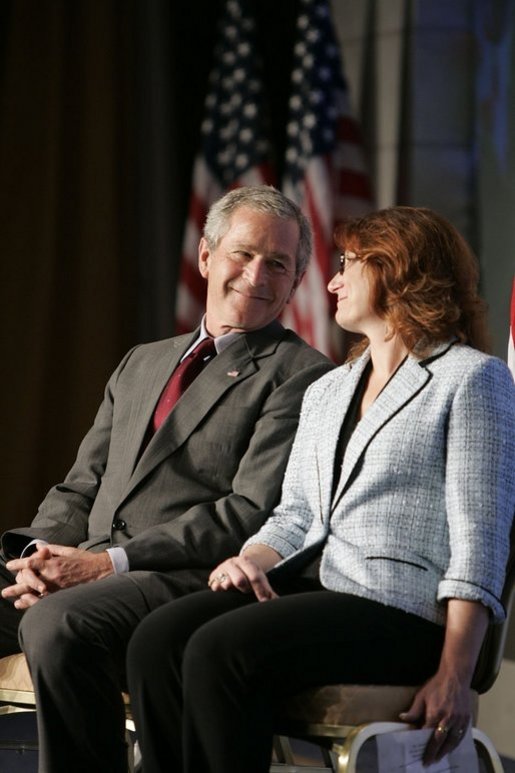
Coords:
pixel 31 547
pixel 119 559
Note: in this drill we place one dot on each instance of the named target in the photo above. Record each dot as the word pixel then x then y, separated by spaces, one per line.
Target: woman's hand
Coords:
pixel 247 572
pixel 444 703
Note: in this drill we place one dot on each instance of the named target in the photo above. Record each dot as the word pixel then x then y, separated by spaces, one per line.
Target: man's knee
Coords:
pixel 54 630
pixel 89 621
pixel 40 631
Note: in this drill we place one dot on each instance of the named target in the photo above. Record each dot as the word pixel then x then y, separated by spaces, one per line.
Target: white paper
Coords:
pixel 404 749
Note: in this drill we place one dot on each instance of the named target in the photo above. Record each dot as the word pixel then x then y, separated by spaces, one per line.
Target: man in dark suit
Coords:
pixel 162 488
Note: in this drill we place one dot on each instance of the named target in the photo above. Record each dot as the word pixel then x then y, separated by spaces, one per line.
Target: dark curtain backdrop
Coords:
pixel 66 235
pixel 100 109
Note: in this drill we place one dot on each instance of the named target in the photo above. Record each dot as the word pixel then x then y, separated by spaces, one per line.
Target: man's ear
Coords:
pixel 204 254
pixel 298 279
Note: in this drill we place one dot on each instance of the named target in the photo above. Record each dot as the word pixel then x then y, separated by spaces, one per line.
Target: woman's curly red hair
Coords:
pixel 423 276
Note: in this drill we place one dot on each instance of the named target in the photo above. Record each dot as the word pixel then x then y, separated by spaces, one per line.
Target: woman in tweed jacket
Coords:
pixel 385 559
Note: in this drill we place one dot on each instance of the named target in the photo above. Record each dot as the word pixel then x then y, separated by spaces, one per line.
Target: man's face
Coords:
pixel 251 274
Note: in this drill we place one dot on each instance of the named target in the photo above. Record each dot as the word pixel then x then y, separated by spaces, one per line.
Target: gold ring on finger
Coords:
pixel 442 729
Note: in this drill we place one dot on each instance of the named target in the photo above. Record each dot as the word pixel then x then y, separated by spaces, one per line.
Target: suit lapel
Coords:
pixel 148 393
pixel 228 368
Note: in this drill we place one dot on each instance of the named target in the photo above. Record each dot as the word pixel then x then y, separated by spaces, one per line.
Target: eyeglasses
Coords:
pixel 348 256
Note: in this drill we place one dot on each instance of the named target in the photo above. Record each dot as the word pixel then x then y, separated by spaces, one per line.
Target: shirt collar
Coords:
pixel 221 342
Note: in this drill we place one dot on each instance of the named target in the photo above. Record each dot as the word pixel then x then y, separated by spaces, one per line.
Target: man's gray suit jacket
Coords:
pixel 211 474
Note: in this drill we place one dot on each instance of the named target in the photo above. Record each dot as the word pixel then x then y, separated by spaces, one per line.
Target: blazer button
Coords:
pixel 119 524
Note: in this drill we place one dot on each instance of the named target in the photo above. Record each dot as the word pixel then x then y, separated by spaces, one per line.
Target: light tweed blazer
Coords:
pixel 426 497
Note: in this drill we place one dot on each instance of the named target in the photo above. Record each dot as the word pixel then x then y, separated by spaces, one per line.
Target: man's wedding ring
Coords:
pixel 442 729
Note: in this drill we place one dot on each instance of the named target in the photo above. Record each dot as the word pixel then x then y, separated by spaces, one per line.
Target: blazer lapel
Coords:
pixel 331 423
pixel 228 368
pixel 403 387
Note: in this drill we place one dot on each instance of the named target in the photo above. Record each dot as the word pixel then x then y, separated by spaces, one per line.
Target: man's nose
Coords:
pixel 255 271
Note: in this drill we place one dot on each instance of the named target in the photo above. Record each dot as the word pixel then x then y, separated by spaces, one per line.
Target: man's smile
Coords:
pixel 247 292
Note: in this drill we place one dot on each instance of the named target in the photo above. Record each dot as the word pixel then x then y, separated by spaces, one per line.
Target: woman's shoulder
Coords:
pixel 465 359
pixel 469 372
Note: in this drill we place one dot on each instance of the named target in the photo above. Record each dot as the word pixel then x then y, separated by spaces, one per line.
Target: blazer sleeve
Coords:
pixel 285 531
pixel 480 485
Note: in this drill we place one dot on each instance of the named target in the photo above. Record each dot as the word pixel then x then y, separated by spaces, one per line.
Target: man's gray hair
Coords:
pixel 261 198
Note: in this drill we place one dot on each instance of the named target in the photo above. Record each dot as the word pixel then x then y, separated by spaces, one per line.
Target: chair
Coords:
pixel 342 717
pixel 17 695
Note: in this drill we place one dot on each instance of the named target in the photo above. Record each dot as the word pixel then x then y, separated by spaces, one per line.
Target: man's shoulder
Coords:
pixel 286 345
pixel 296 347
pixel 160 348
pixel 165 344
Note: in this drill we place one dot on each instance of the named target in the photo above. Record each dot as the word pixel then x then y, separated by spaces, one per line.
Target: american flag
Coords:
pixel 325 170
pixel 235 149
pixel 324 167
pixel 511 339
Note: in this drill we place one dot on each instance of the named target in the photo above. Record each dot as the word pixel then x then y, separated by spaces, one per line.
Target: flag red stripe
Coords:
pixel 320 245
pixel 197 211
pixel 354 184
pixel 195 283
pixel 349 131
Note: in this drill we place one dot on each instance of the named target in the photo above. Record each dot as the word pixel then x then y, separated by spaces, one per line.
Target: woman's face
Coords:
pixel 351 285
